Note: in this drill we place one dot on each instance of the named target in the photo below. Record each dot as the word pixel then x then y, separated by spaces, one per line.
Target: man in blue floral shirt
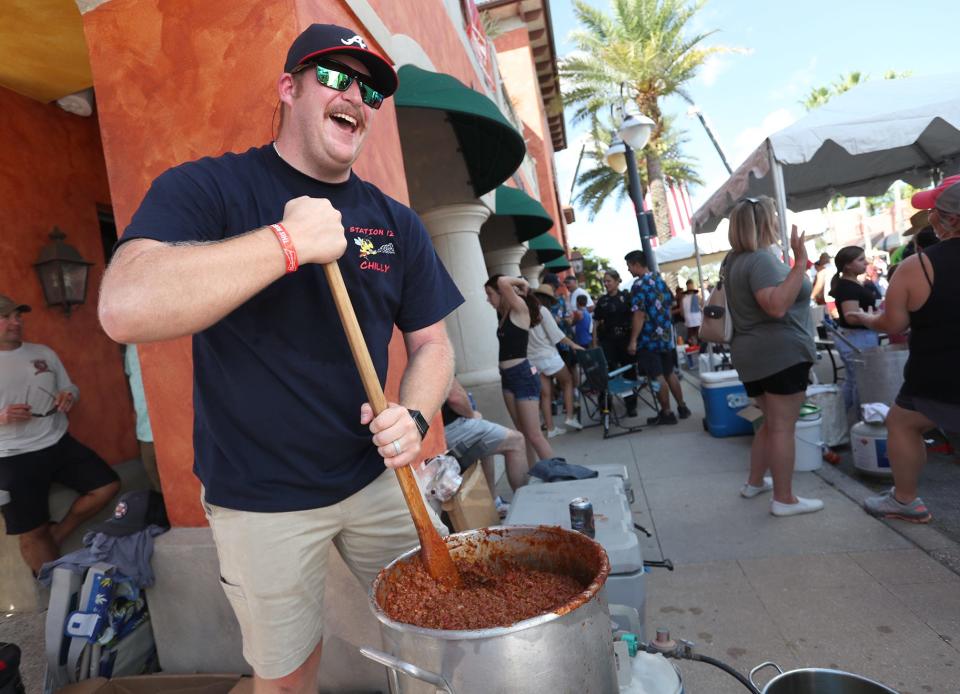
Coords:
pixel 651 338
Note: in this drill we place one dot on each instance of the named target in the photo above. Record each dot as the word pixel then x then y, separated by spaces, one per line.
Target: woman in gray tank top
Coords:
pixel 772 347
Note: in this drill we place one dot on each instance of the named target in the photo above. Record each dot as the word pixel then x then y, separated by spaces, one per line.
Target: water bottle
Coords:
pixel 473 403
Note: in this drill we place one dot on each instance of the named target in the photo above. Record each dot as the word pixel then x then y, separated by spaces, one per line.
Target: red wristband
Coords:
pixel 286 243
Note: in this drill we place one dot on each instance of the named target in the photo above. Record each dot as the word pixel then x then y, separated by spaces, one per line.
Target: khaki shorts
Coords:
pixel 273 566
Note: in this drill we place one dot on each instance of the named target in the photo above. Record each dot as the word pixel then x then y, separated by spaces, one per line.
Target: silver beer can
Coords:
pixel 581 516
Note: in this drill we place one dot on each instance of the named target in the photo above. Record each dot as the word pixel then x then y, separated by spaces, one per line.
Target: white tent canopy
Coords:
pixel 857 144
pixel 683 249
pixel 680 247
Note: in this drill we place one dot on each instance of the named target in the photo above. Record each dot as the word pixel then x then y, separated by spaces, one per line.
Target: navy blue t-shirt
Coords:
pixel 276 393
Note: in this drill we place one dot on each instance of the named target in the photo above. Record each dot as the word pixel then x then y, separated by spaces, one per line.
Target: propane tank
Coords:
pixel 868 441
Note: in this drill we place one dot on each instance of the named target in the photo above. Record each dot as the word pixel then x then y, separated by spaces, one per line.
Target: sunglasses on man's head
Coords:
pixel 338 76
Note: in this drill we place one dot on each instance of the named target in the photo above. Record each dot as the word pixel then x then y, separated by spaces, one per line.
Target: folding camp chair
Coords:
pixel 603 392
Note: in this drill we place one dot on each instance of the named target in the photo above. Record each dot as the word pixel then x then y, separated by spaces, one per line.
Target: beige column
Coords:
pixel 455 232
pixel 531 273
pixel 505 261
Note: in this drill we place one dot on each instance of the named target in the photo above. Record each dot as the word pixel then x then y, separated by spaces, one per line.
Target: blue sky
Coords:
pixel 789 48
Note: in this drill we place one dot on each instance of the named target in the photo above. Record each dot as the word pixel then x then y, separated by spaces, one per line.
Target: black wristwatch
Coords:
pixel 421 423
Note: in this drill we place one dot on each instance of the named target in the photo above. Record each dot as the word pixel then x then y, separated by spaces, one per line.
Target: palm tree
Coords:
pixel 600 182
pixel 643 52
pixel 818 96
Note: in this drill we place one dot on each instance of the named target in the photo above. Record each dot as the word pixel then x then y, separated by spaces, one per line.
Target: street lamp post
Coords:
pixel 633 135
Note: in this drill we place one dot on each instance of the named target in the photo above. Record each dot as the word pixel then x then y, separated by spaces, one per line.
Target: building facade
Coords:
pixel 467 141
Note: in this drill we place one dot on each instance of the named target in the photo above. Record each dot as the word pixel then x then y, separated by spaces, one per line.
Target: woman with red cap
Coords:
pixel 922 296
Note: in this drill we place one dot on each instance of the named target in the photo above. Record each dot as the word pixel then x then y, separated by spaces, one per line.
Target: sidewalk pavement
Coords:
pixel 835 589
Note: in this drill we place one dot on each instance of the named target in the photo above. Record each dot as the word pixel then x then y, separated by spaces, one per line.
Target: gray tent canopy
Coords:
pixel 857 144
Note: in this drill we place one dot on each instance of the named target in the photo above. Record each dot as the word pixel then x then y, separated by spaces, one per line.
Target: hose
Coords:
pixel 683 650
pixel 726 668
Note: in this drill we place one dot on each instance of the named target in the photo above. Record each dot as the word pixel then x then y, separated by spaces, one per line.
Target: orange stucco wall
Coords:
pixel 53 173
pixel 429 25
pixel 519 75
pixel 176 81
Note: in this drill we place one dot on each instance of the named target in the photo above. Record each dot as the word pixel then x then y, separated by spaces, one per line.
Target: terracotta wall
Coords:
pixel 519 75
pixel 428 23
pixel 176 81
pixel 53 173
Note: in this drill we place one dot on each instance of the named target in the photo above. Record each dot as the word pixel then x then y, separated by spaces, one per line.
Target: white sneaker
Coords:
pixel 573 424
pixel 802 506
pixel 556 431
pixel 502 507
pixel 748 491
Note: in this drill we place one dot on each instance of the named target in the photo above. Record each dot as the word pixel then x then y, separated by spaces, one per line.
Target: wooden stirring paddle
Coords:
pixel 433 551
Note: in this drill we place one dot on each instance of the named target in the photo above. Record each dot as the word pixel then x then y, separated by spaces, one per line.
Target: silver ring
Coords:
pixel 396 447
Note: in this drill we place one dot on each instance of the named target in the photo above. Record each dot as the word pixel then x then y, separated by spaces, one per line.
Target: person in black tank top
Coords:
pixel 923 296
pixel 517 310
pixel 850 296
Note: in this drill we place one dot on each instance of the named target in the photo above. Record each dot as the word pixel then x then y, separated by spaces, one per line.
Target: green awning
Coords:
pixel 546 247
pixel 491 146
pixel 559 265
pixel 529 217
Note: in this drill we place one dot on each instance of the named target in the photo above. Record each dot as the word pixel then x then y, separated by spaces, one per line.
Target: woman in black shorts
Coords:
pixel 518 310
pixel 772 347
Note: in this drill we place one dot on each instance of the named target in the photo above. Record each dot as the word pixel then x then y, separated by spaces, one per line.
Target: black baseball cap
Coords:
pixel 134 512
pixel 551 279
pixel 318 40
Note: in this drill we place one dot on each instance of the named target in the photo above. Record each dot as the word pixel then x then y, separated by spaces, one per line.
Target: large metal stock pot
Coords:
pixel 818 681
pixel 566 651
pixel 879 373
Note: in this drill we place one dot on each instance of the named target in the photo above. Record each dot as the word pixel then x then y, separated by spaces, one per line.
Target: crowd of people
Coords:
pixel 284 210
pixel 773 348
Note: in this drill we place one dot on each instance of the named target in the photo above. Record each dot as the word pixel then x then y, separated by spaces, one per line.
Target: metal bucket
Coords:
pixel 568 650
pixel 818 681
pixel 879 373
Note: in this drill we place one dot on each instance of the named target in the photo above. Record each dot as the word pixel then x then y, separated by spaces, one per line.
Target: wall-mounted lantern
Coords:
pixel 63 273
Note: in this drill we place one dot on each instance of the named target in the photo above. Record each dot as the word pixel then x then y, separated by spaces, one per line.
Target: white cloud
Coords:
pixel 744 143
pixel 750 138
pixel 797 83
pixel 714 66
pixel 611 235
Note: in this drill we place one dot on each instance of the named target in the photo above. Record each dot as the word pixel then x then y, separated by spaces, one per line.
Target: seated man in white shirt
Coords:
pixel 35 448
pixel 471 437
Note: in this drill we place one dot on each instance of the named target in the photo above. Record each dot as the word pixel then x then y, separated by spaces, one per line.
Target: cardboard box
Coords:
pixel 472 507
pixel 163 684
pixel 751 413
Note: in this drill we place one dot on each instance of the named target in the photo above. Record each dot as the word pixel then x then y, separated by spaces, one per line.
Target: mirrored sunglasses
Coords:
pixel 338 76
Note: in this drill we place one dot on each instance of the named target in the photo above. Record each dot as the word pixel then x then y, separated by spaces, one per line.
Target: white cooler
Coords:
pixel 549 504
pixel 605 470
